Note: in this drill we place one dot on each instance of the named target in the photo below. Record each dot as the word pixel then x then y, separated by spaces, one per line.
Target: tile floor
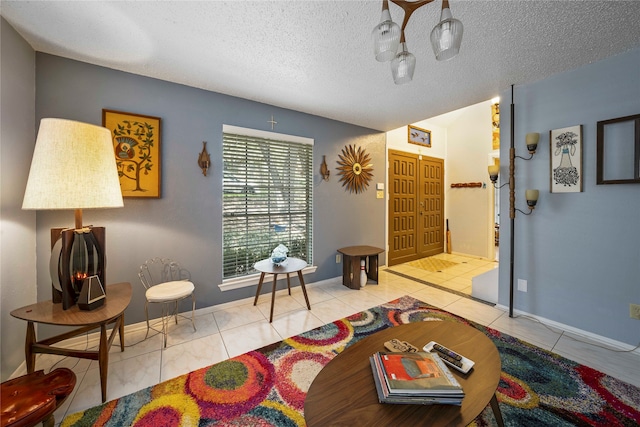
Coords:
pixel 234 328
pixel 456 278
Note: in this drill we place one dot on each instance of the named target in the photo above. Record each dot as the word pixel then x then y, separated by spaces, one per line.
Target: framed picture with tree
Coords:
pixel 136 145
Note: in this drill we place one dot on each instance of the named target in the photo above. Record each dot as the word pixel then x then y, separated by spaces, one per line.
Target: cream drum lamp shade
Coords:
pixel 73 167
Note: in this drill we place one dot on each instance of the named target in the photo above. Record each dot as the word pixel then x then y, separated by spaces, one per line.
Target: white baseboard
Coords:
pixel 598 339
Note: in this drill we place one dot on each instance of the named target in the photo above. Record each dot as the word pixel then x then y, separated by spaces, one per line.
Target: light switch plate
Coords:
pixel 522 285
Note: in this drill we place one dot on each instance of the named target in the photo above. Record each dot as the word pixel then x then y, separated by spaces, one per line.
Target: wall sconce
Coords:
pixel 494 171
pixel 532 198
pixel 324 170
pixel 532 142
pixel 531 195
pixel 204 161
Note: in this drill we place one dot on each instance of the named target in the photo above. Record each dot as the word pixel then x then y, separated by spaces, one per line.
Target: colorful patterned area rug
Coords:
pixel 432 264
pixel 267 387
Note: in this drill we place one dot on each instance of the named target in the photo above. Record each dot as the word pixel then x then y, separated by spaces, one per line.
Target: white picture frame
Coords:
pixel 565 152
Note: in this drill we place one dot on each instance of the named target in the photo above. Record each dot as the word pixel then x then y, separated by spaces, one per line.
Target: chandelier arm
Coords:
pixel 409 7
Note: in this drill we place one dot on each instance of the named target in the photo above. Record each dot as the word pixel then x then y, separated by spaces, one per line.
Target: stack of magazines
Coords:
pixel 414 378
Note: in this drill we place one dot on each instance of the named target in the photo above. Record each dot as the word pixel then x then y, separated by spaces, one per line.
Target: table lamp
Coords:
pixel 73 167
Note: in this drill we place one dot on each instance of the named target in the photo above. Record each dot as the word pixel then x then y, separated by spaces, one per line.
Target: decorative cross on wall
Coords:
pixel 273 123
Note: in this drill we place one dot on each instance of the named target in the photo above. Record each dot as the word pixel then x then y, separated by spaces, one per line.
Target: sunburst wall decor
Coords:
pixel 355 168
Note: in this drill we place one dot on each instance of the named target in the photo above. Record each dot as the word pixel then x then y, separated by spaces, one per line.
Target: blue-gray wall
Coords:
pixel 579 252
pixel 186 224
pixel 17 227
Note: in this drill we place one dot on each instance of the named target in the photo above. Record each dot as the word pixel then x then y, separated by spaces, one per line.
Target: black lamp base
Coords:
pixel 75 251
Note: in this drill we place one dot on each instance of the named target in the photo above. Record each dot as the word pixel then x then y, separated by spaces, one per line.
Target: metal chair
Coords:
pixel 166 283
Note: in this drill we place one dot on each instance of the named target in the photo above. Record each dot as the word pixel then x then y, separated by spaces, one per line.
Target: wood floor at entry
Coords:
pixel 416 206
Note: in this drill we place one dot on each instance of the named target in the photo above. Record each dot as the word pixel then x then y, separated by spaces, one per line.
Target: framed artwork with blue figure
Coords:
pixel 566 159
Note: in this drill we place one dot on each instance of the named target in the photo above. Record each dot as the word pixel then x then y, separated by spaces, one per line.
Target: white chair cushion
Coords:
pixel 169 291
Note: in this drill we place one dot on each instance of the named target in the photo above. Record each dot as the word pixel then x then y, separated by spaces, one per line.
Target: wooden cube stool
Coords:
pixel 33 398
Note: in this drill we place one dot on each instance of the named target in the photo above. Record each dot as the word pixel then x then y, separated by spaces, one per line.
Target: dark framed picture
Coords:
pixel 618 150
pixel 136 145
pixel 419 136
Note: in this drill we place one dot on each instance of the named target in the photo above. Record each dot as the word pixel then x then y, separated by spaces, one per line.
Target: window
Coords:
pixel 266 197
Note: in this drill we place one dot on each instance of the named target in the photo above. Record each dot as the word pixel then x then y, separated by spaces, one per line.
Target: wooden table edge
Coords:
pixel 50 309
pixel 386 333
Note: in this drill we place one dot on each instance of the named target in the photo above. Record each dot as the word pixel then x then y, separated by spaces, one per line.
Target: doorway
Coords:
pixel 494 213
pixel 416 207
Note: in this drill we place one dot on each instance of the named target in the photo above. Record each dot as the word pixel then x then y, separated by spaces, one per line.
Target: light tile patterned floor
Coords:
pixel 456 278
pixel 238 327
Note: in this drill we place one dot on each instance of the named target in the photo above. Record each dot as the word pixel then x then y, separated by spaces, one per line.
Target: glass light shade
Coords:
pixel 73 167
pixel 532 194
pixel 532 197
pixel 446 37
pixel 386 38
pixel 532 141
pixel 494 171
pixel 403 66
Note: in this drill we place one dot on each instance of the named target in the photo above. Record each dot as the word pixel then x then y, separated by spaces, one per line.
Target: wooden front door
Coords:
pixel 416 207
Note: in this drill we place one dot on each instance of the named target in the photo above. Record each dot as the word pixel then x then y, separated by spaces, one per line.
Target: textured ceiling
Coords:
pixel 317 57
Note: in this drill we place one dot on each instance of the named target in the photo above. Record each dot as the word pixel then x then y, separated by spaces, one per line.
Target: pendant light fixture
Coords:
pixel 446 37
pixel 389 42
pixel 386 36
pixel 403 64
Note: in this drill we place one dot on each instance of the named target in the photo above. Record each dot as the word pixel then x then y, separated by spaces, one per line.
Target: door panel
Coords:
pixel 416 223
pixel 402 209
pixel 431 198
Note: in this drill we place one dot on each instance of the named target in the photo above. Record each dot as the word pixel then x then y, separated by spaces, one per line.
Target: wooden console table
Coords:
pixel 344 392
pixel 351 264
pixel 118 298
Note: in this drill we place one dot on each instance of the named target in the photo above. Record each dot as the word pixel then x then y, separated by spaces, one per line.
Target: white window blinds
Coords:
pixel 267 200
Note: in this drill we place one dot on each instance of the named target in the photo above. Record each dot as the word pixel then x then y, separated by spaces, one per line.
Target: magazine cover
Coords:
pixel 417 372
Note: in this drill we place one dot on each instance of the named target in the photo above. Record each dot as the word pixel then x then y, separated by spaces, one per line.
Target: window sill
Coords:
pixel 252 280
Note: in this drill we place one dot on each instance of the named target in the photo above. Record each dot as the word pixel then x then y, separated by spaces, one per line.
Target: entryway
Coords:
pixel 448 272
pixel 416 207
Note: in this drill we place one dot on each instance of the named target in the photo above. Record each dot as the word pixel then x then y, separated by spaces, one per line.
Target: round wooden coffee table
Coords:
pixel 344 392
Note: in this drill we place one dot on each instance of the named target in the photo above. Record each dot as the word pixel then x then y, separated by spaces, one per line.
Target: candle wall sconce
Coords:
pixel 204 161
pixel 324 170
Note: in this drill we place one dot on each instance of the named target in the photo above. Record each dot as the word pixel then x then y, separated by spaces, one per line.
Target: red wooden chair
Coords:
pixel 33 398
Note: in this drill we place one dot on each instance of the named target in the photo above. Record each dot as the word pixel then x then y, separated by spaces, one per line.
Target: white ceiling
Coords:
pixel 317 56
